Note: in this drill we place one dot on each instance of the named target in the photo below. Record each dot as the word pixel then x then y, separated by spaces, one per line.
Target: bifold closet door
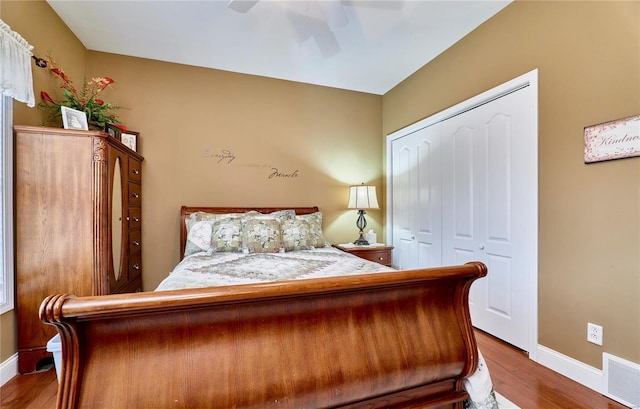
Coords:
pixel 416 199
pixel 486 164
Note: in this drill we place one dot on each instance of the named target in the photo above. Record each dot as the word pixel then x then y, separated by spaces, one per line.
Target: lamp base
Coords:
pixel 361 240
pixel 361 223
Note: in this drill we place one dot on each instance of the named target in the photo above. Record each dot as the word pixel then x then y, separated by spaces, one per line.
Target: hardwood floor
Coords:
pixel 533 386
pixel 32 391
pixel 522 381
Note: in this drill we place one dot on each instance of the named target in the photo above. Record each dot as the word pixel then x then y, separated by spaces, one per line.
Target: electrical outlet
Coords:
pixel 594 334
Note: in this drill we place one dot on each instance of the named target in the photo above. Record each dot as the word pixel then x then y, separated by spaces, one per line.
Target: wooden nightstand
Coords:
pixel 378 253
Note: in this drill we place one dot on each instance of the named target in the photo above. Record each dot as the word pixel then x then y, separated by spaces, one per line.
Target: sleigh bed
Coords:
pixel 378 339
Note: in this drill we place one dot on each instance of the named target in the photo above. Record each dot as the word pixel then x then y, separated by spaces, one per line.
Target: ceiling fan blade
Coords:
pixel 241 6
pixel 306 27
pixel 376 4
pixel 300 26
pixel 327 43
pixel 334 13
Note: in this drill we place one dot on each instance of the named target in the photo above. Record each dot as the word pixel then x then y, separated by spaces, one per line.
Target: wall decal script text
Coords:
pixel 224 155
pixel 275 173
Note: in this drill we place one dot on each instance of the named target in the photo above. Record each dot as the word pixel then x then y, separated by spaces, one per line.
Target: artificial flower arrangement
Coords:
pixel 99 113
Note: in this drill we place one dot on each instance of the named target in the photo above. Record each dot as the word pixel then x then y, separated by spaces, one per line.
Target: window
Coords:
pixel 16 82
pixel 6 204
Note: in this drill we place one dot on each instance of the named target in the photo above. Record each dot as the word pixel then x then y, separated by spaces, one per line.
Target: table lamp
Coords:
pixel 362 197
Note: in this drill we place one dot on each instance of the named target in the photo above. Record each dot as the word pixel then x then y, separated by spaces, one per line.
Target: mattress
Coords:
pixel 210 269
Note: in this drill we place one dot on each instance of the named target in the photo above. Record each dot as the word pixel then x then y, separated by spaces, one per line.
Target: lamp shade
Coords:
pixel 363 197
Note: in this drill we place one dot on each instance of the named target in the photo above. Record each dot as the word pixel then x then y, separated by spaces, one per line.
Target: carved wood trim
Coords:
pixel 100 194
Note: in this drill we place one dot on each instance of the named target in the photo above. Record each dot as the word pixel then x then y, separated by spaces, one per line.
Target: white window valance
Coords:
pixel 16 79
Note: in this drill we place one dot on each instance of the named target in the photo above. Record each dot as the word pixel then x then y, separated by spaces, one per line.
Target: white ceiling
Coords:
pixel 377 45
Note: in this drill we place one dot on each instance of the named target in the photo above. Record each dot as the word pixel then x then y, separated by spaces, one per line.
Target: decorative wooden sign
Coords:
pixel 612 140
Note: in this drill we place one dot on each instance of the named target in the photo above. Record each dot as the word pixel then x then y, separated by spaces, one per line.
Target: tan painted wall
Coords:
pixel 43 29
pixel 588 56
pixel 325 138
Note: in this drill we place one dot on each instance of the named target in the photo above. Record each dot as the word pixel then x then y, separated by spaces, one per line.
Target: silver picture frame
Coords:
pixel 74 119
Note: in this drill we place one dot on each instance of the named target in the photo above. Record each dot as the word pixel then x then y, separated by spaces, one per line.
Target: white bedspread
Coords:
pixel 230 268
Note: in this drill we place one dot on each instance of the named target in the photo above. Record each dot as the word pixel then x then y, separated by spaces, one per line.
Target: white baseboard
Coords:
pixel 573 369
pixel 8 369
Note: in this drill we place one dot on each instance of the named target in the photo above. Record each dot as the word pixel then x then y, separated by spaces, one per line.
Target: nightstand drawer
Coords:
pixel 378 254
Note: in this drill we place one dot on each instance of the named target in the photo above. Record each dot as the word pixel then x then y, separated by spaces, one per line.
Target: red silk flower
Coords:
pixel 46 97
pixel 105 82
pixel 99 102
pixel 61 74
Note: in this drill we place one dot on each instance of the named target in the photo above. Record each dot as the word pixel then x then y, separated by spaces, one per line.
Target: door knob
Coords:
pixel 481 247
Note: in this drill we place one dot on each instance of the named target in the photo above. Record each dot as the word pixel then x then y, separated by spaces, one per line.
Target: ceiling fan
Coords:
pixel 333 10
pixel 321 30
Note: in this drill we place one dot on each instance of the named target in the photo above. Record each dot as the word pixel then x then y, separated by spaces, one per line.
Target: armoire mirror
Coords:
pixel 116 219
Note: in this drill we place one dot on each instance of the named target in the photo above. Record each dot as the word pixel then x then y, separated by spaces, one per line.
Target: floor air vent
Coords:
pixel 621 380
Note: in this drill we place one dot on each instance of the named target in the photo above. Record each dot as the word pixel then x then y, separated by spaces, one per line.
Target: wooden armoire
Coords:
pixel 77 224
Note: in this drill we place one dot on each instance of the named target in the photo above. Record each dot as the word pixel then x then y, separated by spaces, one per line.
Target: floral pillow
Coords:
pixel 315 224
pixel 296 235
pixel 282 215
pixel 279 215
pixel 204 216
pixel 197 217
pixel 261 235
pixel 198 237
pixel 226 235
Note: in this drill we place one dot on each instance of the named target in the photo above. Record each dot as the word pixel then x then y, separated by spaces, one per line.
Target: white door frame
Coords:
pixel 529 79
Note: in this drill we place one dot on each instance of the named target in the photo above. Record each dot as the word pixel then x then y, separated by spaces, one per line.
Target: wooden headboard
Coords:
pixel 185 212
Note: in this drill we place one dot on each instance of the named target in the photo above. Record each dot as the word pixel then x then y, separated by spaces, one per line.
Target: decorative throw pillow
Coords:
pixel 198 237
pixel 315 224
pixel 261 235
pixel 282 215
pixel 226 235
pixel 279 215
pixel 204 216
pixel 296 235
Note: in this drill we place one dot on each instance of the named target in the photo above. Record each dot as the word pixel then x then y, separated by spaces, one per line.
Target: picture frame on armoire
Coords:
pixel 130 139
pixel 113 131
pixel 74 119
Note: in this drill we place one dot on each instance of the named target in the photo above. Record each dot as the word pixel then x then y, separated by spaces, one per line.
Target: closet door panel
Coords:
pixel 416 199
pixel 499 180
pixel 460 139
pixel 463 188
pixel 507 228
pixel 426 212
pixel 484 163
pixel 428 256
pixel 499 286
pixel 401 202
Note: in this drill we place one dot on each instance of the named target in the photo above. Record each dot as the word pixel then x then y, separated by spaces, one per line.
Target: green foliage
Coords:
pixel 85 99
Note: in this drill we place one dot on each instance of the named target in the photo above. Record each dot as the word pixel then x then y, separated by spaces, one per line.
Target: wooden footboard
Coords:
pixel 388 340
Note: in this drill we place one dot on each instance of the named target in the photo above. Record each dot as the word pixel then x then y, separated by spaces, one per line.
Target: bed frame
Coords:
pixel 388 340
